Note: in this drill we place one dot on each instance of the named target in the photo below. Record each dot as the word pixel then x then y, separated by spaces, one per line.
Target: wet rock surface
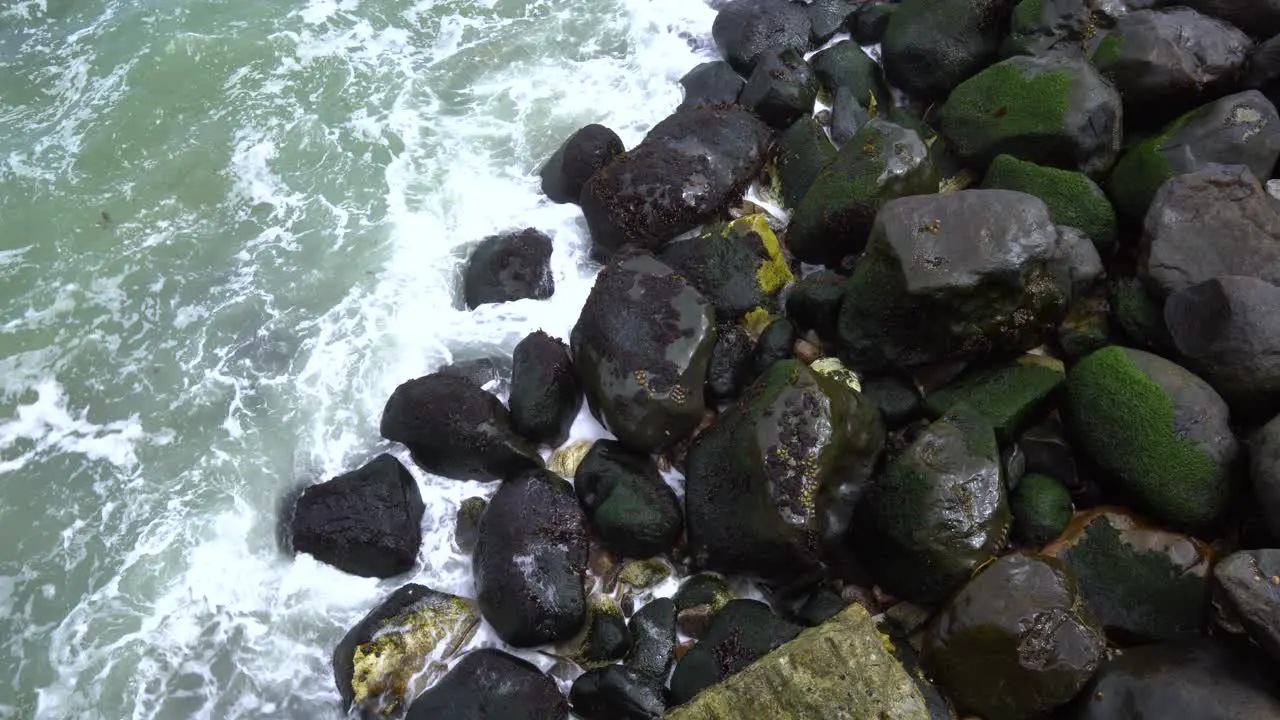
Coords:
pixel 712 83
pixel 1246 590
pixel 514 266
pixel 653 638
pixel 545 392
pixel 744 29
pixel 617 693
pixel 573 163
pixel 737 266
pixel 489 683
pixel 739 634
pixel 626 501
pixel 781 89
pixel 931 46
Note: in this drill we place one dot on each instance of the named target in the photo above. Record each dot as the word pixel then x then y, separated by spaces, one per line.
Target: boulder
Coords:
pixel 814 303
pixel 737 266
pixel 964 275
pixel 1016 642
pixel 739 635
pixel 1008 396
pixel 399 648
pixel 730 369
pixel 1246 591
pixel 456 430
pixel 626 501
pixel 545 393
pixel 697 601
pixel 1259 18
pixel 1139 316
pixel 829 17
pixel 686 171
pixel 585 152
pixel 641 348
pixel 776 343
pixel 530 561
pixel 745 29
pixel 1052 27
pixel 1165 62
pixel 772 482
pixel 514 266
pixel 931 46
pixel 604 637
pixel 711 83
pixel 1054 111
pixel 366 522
pixel 467 527
pixel 489 683
pixel 897 398
pixel 1158 434
pixel 1239 129
pixel 653 638
pixel 1072 198
pixel 1264 474
pixel 839 670
pixel 1262 72
pixel 1046 451
pixel 881 162
pixel 869 27
pixel 796 158
pixel 939 511
pixel 1209 223
pixel 1041 507
pixel 617 692
pixel 781 89
pixel 847 116
pixel 846 65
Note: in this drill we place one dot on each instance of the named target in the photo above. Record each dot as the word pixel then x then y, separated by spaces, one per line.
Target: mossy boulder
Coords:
pixel 881 162
pixel 737 266
pixel 745 29
pixel 383 662
pixel 711 83
pixel 1073 199
pixel 626 501
pixel 604 637
pixel 586 151
pixel 489 683
pixel 1159 434
pixel 508 267
pixel 1264 474
pixel 846 65
pixel 545 393
pixel 1041 507
pixel 1139 316
pixel 781 89
pixel 1055 27
pixel 641 348
pixel 797 157
pixel 1142 583
pixel 1086 328
pixel 1053 111
pixel 617 692
pixel 1240 129
pixel 931 46
pixel 739 635
pixel 937 513
pixel 653 638
pixel 772 481
pixel 698 600
pixel 1016 642
pixel 1007 395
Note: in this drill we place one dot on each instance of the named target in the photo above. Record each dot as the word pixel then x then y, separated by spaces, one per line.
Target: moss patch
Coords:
pixel 1006 396
pixel 1041 509
pixel 1073 198
pixel 1005 109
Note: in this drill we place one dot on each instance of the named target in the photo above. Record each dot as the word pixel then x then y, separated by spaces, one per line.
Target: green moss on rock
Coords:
pixel 1073 198
pixel 1007 395
pixel 1140 173
pixel 1041 509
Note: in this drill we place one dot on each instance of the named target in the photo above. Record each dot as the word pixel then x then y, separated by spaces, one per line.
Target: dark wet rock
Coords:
pixel 829 17
pixel 514 266
pixel 846 65
pixel 545 394
pixel 698 600
pixel 1165 62
pixel 741 633
pixel 1037 641
pixel 1086 328
pixel 772 481
pixel 897 397
pixel 1199 679
pixel 814 303
pixel 781 89
pixel 626 501
pixel 737 266
pixel 711 83
pixel 1065 27
pixel 1142 583
pixel 847 116
pixel 796 158
pixel 653 638
pixel 869 27
pixel 456 430
pixel 1240 129
pixel 745 29
pixel 1158 433
pixel 1262 72
pixel 1264 473
pixel 994 280
pixel 617 692
pixel 644 573
pixel 530 561
pixel 1246 591
pixel 488 373
pixel 641 348
pixel 1041 508
pixel 819 607
pixel 366 522
pixel 1080 259
pixel 1008 396
pixel 573 163
pixel 604 637
pixel 379 664
pixel 487 684
pixel 1045 451
pixel 1073 199
pixel 467 529
pixel 1053 111
pixel 931 46
pixel 1139 316
pixel 730 369
pixel 688 169
pixel 1206 224
pixel 881 162
pixel 938 512
pixel 775 345
pixel 1259 18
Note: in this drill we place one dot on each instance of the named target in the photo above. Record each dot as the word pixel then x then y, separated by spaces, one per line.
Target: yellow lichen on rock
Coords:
pixel 834 369
pixel 774 273
pixel 564 460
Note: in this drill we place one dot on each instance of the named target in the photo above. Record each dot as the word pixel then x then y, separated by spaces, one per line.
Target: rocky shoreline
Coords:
pixel 990 419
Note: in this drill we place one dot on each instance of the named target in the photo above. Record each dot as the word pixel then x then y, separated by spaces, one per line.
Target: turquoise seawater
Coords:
pixel 227 231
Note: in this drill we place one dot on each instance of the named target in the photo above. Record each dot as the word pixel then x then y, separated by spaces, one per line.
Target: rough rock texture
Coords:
pixel 1264 473
pixel 1036 638
pixel 1139 316
pixel 848 116
pixel 744 29
pixel 1246 592
pixel 1073 199
pixel 456 430
pixel 626 501
pixel 846 65
pixel 782 88
pixel 796 158
pixel 1063 27
pixel 641 347
pixel 367 522
pixel 514 266
pixel 730 369
pixel 1007 396
pixel 711 83
pixel 1259 18
pixel 530 561
pixel 872 21
pixel 467 527
pixel 617 692
pixel 1158 433
pixel 829 17
pixel 378 665
pixel 545 393
pixel 487 684
pixel 739 634
pixel 813 303
pixel 840 670
pixel 773 480
pixel 689 168
pixel 573 163
pixel 738 266
pixel 777 343
pixel 653 638
pixel 931 46
pixel 1052 111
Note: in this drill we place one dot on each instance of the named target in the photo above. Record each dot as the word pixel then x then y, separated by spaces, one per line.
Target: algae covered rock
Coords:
pixel 1016 642
pixel 1158 433
pixel 512 266
pixel 881 162
pixel 617 692
pixel 745 29
pixel 931 46
pixel 467 526
pixel 772 481
pixel 641 347
pixel 1073 199
pixel 698 600
pixel 782 88
pixel 711 83
pixel 653 638
pixel 545 393
pixel 626 501
pixel 1247 594
pixel 1139 316
pixel 604 637
pixel 489 683
pixel 379 664
pixel 737 266
pixel 1007 395
pixel 573 163
pixel 739 634
pixel 1141 583
pixel 937 513
pixel 796 157
pixel 530 561
pixel 1041 507
pixel 1052 111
